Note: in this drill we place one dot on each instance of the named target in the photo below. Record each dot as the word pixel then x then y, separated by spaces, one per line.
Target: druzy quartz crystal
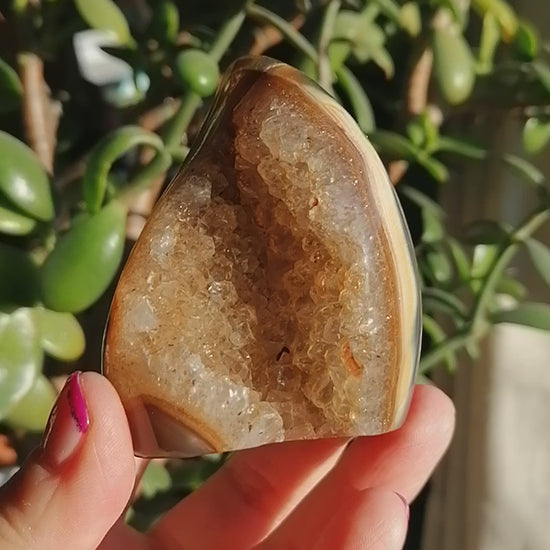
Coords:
pixel 272 294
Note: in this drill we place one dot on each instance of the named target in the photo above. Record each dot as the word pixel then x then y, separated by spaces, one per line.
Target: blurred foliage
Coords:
pixel 98 101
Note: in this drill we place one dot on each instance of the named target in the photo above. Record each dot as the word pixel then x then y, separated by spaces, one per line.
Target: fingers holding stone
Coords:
pixel 76 485
pixel 403 459
pixel 400 461
pixel 373 519
pixel 248 496
pixel 257 488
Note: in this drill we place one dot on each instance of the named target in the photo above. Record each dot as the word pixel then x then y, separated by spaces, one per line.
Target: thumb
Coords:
pixel 74 487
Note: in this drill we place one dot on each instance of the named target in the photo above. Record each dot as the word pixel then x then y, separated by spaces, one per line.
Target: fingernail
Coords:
pixel 405 503
pixel 67 424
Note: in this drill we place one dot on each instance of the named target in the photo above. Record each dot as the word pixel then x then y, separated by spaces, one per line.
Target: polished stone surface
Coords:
pixel 272 294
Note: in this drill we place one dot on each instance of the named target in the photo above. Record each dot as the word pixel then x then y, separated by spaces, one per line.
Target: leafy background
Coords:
pixel 83 157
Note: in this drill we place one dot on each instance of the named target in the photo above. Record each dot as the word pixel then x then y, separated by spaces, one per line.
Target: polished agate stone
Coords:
pixel 272 295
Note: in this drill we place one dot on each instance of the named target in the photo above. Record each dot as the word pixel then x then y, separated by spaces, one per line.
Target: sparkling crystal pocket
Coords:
pixel 273 293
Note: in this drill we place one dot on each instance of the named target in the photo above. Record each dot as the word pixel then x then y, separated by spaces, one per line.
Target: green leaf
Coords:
pixel 358 33
pixel 390 8
pixel 61 335
pixel 536 135
pixel 433 329
pixel 415 132
pixel 349 27
pixel 431 132
pixel 105 15
pixel 23 181
pixel 84 261
pixel 165 22
pixel 13 222
pixel 423 132
pixel 410 18
pixel 511 287
pixel 421 200
pixel 359 101
pixel 197 71
pixel 32 411
pixel 504 14
pixel 455 8
pixel 104 154
pixel 460 147
pixel 394 145
pixel 490 39
pixel 540 255
pixel 530 314
pixel 526 41
pixel 438 335
pixel 338 52
pixel 433 230
pixel 525 170
pixel 438 300
pixel 20 357
pixel 11 89
pixel 542 71
pixel 461 261
pixel 155 480
pixel 436 169
pixel 483 258
pixel 308 66
pixel 380 56
pixel 438 265
pixel 454 65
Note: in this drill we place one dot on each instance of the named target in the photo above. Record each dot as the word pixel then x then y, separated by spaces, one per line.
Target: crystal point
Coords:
pixel 273 293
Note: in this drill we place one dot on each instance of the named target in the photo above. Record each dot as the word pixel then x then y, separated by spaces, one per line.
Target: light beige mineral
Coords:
pixel 272 294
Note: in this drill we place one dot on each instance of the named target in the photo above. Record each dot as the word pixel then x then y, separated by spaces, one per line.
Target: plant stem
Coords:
pixel 226 35
pixel 39 117
pixel 157 167
pixel 389 8
pixel 324 72
pixel 297 39
pixel 509 249
pixel 191 101
pixel 478 326
pixel 181 120
pixel 360 103
pixel 439 353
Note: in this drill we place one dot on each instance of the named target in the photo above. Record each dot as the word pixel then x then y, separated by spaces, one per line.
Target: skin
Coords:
pixel 321 495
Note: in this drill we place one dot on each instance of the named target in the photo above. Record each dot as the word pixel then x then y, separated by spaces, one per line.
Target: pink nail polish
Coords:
pixel 77 405
pixel 67 424
pixel 405 503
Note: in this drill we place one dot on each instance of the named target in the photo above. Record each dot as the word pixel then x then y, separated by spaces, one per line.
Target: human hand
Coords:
pixel 313 495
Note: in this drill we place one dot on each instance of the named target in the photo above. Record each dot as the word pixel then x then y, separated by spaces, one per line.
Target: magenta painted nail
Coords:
pixel 77 405
pixel 67 425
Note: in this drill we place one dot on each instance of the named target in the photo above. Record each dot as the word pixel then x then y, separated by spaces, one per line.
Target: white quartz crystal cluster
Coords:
pixel 272 294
